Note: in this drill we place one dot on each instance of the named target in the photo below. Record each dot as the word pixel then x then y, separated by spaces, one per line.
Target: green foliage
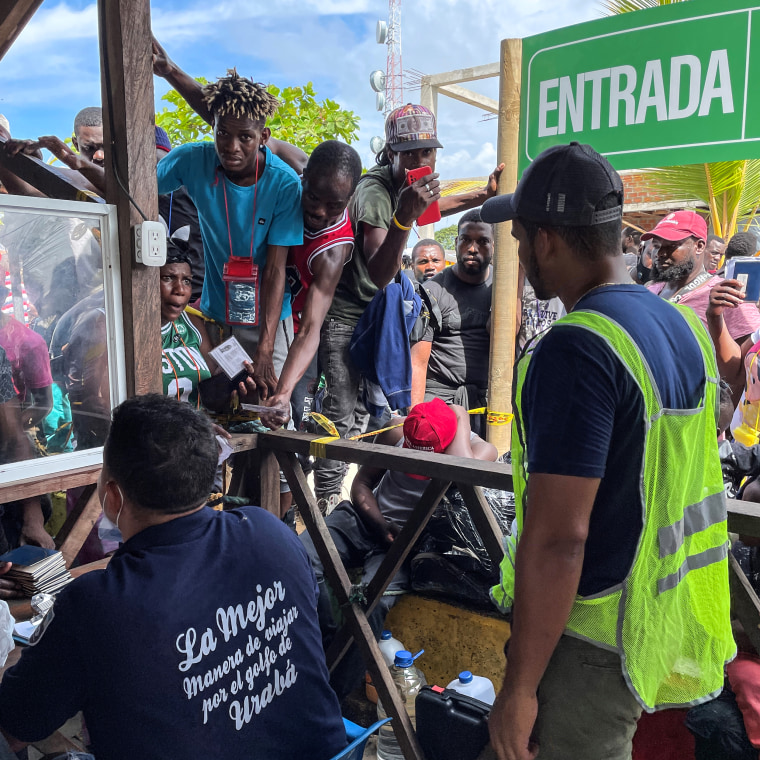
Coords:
pixel 306 122
pixel 181 123
pixel 730 188
pixel 301 119
pixel 614 7
pixel 447 237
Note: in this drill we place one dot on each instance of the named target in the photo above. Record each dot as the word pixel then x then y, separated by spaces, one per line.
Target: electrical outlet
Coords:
pixel 150 244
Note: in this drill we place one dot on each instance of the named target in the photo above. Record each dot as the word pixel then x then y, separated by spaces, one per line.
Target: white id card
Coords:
pixel 230 356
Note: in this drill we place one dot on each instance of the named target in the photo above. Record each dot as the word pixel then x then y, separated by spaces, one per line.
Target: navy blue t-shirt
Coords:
pixel 200 640
pixel 584 414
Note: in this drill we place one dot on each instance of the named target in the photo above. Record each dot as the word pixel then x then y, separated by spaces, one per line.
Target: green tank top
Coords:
pixel 182 364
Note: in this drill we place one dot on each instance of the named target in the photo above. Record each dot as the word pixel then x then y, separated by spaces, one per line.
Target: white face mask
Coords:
pixel 108 530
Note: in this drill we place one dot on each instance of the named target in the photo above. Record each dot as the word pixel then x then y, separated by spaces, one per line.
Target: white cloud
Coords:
pixel 330 42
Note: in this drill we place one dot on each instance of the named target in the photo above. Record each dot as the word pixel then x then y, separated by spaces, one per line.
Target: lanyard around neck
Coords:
pixel 700 279
pixel 253 221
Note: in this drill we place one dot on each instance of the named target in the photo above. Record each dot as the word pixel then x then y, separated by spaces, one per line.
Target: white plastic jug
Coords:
pixel 477 687
pixel 389 646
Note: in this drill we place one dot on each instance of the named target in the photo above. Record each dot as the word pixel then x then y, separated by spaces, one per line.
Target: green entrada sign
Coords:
pixel 678 84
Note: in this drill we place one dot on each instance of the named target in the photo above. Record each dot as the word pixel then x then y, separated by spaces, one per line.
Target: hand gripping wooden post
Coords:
pixel 504 317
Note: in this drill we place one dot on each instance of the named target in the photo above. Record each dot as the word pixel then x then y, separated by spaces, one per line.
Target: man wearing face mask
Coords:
pixel 202 631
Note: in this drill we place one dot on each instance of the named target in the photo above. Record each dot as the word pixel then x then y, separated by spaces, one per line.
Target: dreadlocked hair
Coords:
pixel 238 96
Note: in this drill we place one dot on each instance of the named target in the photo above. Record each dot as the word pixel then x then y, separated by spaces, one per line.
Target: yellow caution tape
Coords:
pixel 318 447
pixel 499 418
pixel 375 432
pixel 328 425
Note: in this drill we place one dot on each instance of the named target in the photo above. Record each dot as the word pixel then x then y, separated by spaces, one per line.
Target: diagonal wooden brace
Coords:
pixel 355 617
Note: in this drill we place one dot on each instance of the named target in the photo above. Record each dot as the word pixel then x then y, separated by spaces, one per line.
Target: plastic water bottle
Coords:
pixel 409 680
pixel 389 646
pixel 477 687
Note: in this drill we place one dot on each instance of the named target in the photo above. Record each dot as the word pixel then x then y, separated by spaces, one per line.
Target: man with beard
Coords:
pixel 678 268
pixel 451 360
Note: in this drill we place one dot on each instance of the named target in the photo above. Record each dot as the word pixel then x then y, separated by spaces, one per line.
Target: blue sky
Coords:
pixel 52 70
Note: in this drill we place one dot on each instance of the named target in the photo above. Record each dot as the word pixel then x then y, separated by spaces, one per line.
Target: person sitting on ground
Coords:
pixel 428 259
pixel 200 636
pixel 451 360
pixel 678 265
pixel 314 267
pixel 382 501
pixel 249 207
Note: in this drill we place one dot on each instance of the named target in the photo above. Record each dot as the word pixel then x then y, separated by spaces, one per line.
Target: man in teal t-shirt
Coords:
pixel 249 203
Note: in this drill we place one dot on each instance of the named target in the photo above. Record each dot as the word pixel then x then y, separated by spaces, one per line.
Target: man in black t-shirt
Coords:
pixel 451 360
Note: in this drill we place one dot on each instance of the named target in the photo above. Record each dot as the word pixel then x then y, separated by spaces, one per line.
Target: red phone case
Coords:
pixel 432 213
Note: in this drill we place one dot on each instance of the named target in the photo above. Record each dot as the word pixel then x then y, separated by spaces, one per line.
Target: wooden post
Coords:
pixel 130 147
pixel 429 99
pixel 504 293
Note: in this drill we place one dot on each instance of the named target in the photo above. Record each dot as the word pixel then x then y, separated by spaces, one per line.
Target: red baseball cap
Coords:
pixel 679 225
pixel 430 426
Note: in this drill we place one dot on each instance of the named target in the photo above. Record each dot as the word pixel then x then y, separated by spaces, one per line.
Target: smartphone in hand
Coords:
pixel 432 213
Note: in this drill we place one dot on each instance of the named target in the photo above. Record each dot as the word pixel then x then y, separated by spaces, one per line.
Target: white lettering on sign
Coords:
pixel 545 105
pixel 685 93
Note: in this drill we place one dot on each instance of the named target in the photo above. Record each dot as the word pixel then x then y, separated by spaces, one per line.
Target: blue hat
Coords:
pixel 162 139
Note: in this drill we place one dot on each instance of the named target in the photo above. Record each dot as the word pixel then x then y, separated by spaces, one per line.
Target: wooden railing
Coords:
pixel 277 450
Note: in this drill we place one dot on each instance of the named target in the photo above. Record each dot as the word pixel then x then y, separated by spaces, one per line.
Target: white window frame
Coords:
pixel 105 215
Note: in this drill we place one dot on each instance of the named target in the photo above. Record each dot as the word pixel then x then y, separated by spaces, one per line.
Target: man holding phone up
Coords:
pixel 382 211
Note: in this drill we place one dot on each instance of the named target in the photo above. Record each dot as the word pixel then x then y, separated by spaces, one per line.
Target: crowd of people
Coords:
pixel 302 259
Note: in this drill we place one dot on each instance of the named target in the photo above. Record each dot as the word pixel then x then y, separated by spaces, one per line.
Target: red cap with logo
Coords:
pixel 430 426
pixel 678 226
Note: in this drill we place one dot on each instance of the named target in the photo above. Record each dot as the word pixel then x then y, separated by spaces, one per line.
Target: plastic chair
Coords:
pixel 358 737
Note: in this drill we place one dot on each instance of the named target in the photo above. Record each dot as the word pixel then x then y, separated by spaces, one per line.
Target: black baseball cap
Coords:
pixel 561 188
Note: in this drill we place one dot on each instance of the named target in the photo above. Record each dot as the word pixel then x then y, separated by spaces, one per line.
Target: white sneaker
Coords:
pixel 328 503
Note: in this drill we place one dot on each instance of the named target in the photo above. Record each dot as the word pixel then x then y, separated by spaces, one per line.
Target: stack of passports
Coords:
pixel 37 570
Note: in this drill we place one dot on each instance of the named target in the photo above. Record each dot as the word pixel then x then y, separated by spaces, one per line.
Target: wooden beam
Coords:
pixel 61 481
pixel 504 317
pixel 45 178
pixel 470 97
pixel 440 466
pixel 471 74
pixel 269 482
pixel 338 579
pixel 14 16
pixel 397 553
pixel 79 524
pixel 744 602
pixel 130 146
pixel 485 523
pixel 743 517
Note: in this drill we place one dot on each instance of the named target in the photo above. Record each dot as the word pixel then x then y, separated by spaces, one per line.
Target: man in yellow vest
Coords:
pixel 616 573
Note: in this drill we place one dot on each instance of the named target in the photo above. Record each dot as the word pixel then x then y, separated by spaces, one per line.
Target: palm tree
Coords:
pixel 731 189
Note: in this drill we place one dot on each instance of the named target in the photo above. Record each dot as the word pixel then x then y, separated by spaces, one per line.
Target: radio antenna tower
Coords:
pixel 394 78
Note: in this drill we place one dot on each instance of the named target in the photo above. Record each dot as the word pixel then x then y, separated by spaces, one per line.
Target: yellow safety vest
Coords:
pixel 669 619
